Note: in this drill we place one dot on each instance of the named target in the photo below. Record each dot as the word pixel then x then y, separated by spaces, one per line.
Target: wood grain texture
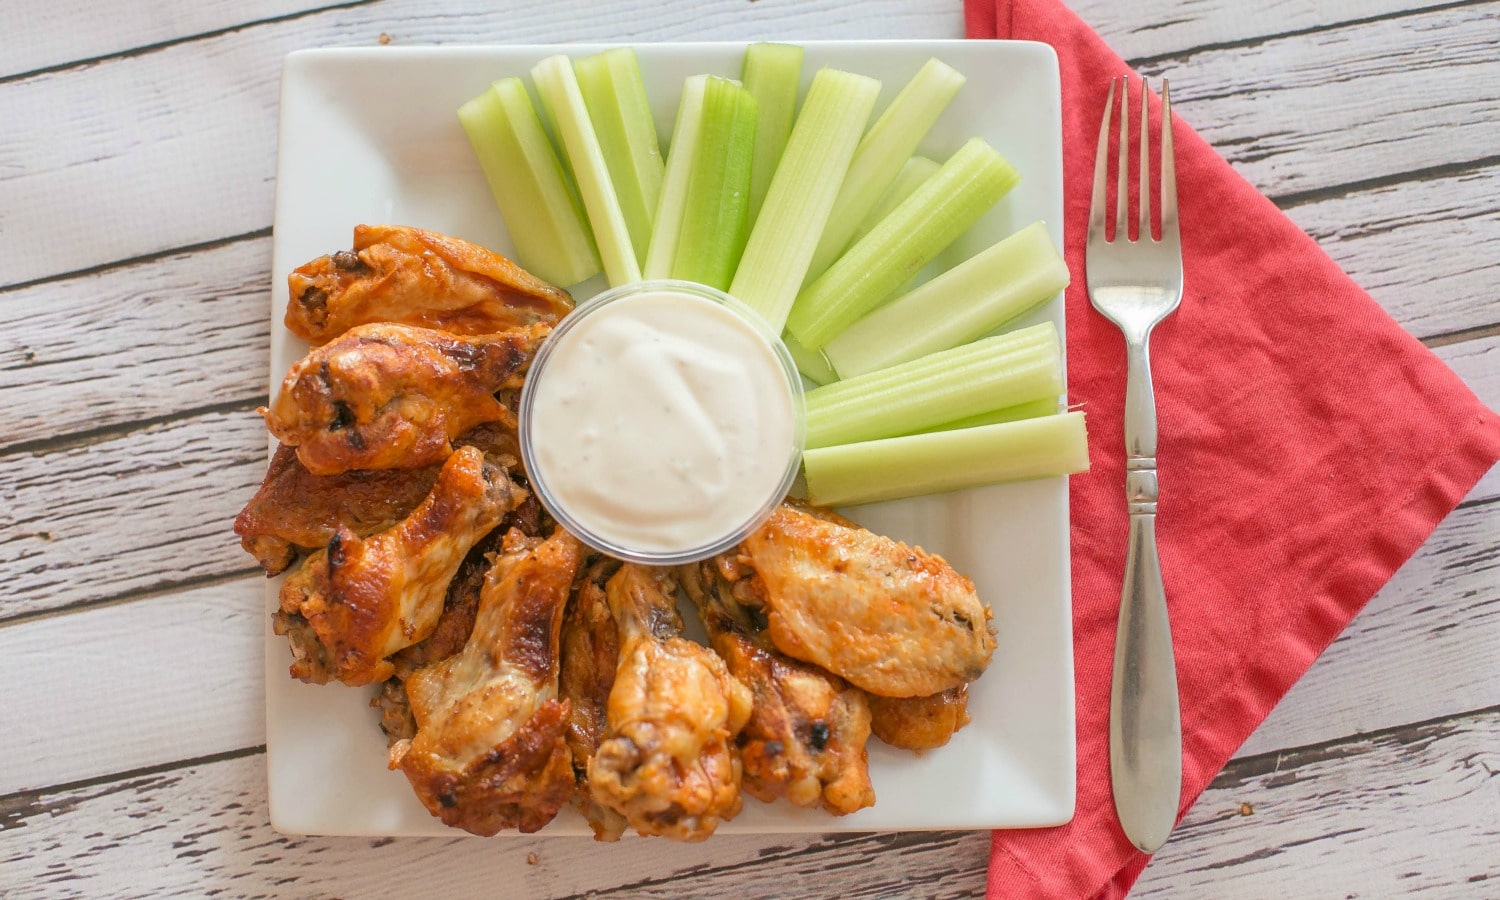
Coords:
pixel 1403 812
pixel 207 831
pixel 173 676
pixel 144 341
pixel 1313 111
pixel 1424 249
pixel 64 32
pixel 139 511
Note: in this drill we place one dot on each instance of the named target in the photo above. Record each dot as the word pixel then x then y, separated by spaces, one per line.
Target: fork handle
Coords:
pixel 1145 724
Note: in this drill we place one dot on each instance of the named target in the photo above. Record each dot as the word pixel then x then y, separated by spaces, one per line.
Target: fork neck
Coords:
pixel 1140 426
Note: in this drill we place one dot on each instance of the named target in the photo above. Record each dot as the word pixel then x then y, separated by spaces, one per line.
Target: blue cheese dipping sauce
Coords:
pixel 661 422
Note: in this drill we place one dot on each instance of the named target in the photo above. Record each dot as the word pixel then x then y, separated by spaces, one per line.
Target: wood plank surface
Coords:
pixel 154 339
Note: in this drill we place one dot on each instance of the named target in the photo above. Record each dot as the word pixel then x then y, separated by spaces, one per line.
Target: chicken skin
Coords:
pixel 295 511
pixel 807 731
pixel 920 723
pixel 416 277
pixel 395 396
pixel 489 751
pixel 667 762
pixel 360 600
pixel 889 618
pixel 590 656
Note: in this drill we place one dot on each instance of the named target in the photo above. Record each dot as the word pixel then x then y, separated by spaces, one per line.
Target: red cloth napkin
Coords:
pixel 1308 447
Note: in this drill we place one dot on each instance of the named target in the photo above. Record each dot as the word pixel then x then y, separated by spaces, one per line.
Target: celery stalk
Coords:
pixel 966 302
pixel 915 232
pixel 1030 410
pixel 946 460
pixel 913 174
pixel 615 96
pixel 996 372
pixel 563 100
pixel 535 196
pixel 772 74
pixel 811 363
pixel 802 192
pixel 881 153
pixel 667 228
pixel 716 220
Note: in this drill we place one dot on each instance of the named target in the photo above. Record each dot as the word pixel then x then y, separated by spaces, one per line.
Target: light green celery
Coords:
pixel 1043 407
pixel 913 174
pixel 674 187
pixel 916 464
pixel 811 363
pixel 615 96
pixel 802 192
pixel 716 220
pixel 915 232
pixel 535 195
pixel 558 87
pixel 941 387
pixel 772 74
pixel 966 302
pixel 881 153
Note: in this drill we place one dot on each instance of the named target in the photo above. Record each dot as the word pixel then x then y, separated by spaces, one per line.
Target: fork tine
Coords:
pixel 1144 232
pixel 1168 167
pixel 1122 193
pixel 1101 167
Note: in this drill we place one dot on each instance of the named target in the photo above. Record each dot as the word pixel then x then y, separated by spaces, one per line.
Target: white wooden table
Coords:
pixel 136 166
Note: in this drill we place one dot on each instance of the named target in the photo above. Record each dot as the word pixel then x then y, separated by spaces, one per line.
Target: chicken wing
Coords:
pixel 807 731
pixel 590 657
pixel 920 723
pixel 667 762
pixel 295 511
pixel 489 751
pixel 889 618
pixel 416 277
pixel 360 600
pixel 394 396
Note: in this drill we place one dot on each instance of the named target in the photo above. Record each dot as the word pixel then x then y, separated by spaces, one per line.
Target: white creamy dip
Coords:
pixel 659 421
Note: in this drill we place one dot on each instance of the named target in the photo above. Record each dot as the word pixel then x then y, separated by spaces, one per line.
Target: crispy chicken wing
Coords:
pixel 360 600
pixel 395 396
pixel 590 656
pixel 892 619
pixel 489 751
pixel 920 723
pixel 295 511
pixel 667 762
pixel 807 731
pixel 416 277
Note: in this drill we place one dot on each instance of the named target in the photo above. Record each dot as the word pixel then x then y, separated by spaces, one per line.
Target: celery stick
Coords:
pixel 615 96
pixel 534 194
pixel 715 222
pixel 802 192
pixel 996 372
pixel 966 302
pixel 771 75
pixel 946 460
pixel 880 155
pixel 915 232
pixel 1043 407
pixel 912 175
pixel 561 97
pixel 811 363
pixel 674 187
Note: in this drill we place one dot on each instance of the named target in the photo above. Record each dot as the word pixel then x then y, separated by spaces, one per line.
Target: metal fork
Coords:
pixel 1135 284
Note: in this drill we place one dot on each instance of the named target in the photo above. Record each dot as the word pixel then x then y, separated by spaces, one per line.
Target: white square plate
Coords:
pixel 371 135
